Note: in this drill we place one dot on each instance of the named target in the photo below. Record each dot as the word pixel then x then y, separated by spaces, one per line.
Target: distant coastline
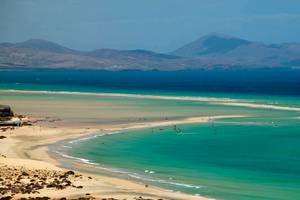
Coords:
pixel 212 51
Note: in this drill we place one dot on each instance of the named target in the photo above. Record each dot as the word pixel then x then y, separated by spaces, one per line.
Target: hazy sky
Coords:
pixel 160 25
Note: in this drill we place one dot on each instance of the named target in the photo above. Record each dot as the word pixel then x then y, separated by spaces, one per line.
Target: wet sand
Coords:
pixel 220 101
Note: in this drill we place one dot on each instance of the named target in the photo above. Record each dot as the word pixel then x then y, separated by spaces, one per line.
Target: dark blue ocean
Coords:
pixel 262 81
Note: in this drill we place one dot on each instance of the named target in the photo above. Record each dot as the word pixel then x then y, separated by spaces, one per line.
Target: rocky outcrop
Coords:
pixel 5 111
pixel 7 117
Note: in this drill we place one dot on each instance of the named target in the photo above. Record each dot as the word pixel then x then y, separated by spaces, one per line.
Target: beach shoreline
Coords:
pixel 30 144
pixel 211 100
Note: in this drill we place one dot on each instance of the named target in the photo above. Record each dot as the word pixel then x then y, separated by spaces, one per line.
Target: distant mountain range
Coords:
pixel 211 51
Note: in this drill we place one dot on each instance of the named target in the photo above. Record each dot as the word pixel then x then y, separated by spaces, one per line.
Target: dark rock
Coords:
pixel 51 185
pixel 40 198
pixel 6 198
pixel 68 173
pixel 68 183
pixel 60 187
pixel 25 174
pixel 5 111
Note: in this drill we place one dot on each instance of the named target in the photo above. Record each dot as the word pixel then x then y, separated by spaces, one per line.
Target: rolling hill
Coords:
pixel 210 51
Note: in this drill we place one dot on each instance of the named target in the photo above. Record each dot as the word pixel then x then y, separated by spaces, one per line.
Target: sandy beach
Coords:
pixel 24 150
pixel 211 100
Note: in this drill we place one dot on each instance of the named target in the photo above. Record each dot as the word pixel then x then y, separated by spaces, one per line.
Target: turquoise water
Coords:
pixel 257 157
pixel 258 98
pixel 225 160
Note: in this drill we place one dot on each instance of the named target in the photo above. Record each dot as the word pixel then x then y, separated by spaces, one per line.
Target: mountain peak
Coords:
pixel 218 35
pixel 214 43
pixel 43 45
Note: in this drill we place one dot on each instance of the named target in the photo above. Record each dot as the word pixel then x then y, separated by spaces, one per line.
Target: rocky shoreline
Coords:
pixel 27 184
pixel 19 180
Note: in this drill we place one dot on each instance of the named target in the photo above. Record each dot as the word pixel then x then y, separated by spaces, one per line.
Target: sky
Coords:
pixel 158 25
